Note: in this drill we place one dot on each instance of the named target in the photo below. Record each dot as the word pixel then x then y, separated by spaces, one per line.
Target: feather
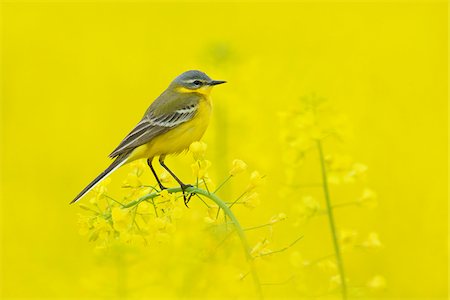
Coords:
pixel 120 160
pixel 159 119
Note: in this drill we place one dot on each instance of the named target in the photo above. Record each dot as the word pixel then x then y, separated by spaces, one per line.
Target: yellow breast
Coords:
pixel 179 138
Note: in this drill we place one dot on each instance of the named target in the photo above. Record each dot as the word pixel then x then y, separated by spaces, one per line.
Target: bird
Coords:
pixel 175 119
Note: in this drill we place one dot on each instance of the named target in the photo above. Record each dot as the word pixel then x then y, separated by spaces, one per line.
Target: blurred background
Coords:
pixel 77 76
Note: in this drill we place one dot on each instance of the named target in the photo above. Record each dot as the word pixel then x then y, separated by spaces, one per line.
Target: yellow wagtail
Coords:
pixel 177 118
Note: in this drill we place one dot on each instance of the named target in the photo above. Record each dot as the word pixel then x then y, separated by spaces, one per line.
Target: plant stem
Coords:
pixel 228 212
pixel 337 249
pixel 239 231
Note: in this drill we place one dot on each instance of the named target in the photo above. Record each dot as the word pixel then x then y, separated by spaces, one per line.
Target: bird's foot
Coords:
pixel 188 198
pixel 162 187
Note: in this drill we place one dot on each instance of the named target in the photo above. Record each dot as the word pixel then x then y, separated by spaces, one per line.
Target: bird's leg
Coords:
pixel 182 185
pixel 149 162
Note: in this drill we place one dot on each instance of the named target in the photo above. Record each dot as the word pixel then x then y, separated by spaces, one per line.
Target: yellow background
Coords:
pixel 77 76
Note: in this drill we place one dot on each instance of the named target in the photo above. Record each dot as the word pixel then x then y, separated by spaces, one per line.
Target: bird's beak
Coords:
pixel 216 82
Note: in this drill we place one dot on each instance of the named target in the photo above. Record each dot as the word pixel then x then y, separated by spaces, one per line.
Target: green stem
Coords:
pixel 239 231
pixel 223 183
pixel 337 249
pixel 228 212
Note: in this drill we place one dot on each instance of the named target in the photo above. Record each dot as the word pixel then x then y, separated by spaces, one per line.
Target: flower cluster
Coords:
pixel 146 216
pixel 110 220
pixel 201 165
pixel 306 129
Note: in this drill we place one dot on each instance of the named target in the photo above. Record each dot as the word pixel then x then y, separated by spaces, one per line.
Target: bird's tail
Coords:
pixel 120 160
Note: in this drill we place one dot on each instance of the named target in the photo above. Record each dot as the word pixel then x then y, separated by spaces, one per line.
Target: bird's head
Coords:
pixel 194 82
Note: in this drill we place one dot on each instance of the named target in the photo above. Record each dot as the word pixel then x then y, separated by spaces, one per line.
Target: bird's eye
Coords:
pixel 197 82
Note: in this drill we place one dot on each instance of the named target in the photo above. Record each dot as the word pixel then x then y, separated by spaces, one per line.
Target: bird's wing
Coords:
pixel 154 124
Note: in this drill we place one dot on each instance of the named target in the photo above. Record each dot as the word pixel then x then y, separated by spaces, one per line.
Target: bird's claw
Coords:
pixel 186 199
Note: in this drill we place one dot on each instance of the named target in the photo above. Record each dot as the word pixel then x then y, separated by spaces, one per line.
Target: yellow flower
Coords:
pixel 167 197
pixel 102 229
pixel 255 180
pixel 165 177
pixel 251 200
pixel 143 208
pixel 121 219
pixel 200 168
pixel 308 207
pixel 212 217
pixel 357 170
pixel 100 190
pixel 378 282
pixel 160 223
pixel 278 218
pixel 368 198
pixel 198 150
pixel 261 248
pixel 239 166
pixel 132 180
pixel 94 200
pixel 372 241
pixel 84 223
pixel 138 167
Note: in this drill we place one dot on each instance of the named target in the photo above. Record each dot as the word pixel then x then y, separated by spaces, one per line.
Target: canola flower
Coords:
pixel 147 217
pixel 314 123
pixel 144 217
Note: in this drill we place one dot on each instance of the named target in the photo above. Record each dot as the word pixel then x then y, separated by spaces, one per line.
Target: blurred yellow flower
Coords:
pixel 138 167
pixel 212 217
pixel 261 248
pixel 121 219
pixel 255 180
pixel 368 198
pixel 198 150
pixel 239 166
pixel 165 177
pixel 372 241
pixel 307 208
pixel 278 218
pixel 251 200
pixel 200 168
pixel 132 180
pixel 378 282
pixel 101 230
pixel 165 195
pixel 100 190
pixel 84 224
pixel 143 208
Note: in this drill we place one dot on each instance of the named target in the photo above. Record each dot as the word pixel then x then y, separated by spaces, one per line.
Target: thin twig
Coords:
pixel 282 249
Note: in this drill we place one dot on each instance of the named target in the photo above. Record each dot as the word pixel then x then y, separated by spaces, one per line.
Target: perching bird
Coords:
pixel 177 118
